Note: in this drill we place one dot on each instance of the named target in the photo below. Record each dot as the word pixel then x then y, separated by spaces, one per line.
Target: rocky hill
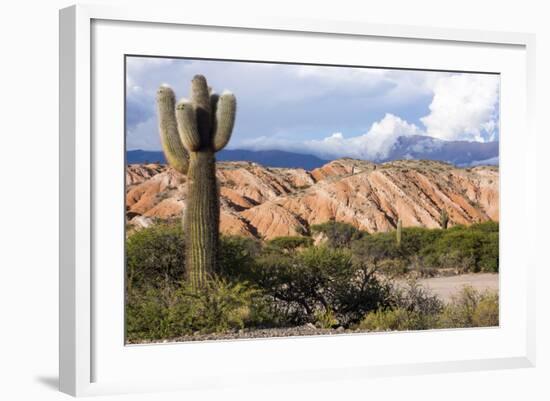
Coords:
pixel 270 202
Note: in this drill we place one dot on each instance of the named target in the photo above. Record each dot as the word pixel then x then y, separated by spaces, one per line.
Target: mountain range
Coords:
pixel 271 158
pixel 458 153
pixel 416 147
pixel 266 202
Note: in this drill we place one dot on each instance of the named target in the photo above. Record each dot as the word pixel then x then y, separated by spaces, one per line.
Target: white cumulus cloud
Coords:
pixel 464 107
pixel 375 144
pixel 326 111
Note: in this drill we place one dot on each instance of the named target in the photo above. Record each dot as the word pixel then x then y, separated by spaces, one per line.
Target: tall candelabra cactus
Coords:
pixel 444 219
pixel 398 232
pixel 191 132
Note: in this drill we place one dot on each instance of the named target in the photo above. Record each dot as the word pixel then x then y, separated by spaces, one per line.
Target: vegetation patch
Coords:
pixel 344 283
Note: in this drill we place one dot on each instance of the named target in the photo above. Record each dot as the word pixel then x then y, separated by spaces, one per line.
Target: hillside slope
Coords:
pixel 270 202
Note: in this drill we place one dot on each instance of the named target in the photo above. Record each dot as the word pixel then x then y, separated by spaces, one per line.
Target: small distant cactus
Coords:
pixel 191 132
pixel 398 232
pixel 444 219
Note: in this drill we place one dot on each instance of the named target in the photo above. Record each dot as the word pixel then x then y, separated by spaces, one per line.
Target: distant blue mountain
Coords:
pixel 459 153
pixel 269 158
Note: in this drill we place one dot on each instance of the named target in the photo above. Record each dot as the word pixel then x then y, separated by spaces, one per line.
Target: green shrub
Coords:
pixel 470 308
pixel 289 243
pixel 488 257
pixel 147 314
pixel 388 320
pixel 340 235
pixel 155 256
pixel 415 298
pixel 318 279
pixel 415 309
pixel 325 319
pixel 219 306
pixel 288 281
pixel 472 249
pixel 468 249
pixel 486 227
pixel 236 256
pixel 458 248
pixel 486 313
pixel 376 248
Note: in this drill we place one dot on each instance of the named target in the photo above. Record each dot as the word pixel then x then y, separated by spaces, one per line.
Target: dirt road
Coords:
pixel 446 287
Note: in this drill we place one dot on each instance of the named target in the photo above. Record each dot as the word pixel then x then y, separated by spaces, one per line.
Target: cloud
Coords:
pixel 464 107
pixel 493 161
pixel 143 135
pixel 327 111
pixel 281 100
pixel 373 145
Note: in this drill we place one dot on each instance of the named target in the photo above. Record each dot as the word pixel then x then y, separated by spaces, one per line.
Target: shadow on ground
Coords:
pixel 52 382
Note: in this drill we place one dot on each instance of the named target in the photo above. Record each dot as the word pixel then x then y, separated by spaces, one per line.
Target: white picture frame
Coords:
pixel 91 361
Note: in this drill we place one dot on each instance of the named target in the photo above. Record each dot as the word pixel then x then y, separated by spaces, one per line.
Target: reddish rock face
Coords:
pixel 271 202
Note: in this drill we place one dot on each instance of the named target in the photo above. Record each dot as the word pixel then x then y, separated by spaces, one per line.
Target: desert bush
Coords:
pixel 289 243
pixel 472 249
pixel 415 309
pixel 388 320
pixel 457 247
pixel 155 256
pixel 415 298
pixel 468 249
pixel 417 238
pixel 325 319
pixel 486 313
pixel 486 227
pixel 236 257
pixel 318 280
pixel 412 308
pixel 470 308
pixel 219 306
pixel 375 248
pixel 147 314
pixel 340 235
pixel 288 281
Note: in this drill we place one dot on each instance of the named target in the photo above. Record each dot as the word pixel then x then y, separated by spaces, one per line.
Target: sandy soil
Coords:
pixel 446 287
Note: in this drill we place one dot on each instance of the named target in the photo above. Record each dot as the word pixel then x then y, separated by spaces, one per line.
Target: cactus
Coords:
pixel 191 132
pixel 444 219
pixel 398 233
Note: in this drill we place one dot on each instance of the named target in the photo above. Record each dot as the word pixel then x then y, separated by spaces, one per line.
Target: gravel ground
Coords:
pixel 305 330
pixel 446 287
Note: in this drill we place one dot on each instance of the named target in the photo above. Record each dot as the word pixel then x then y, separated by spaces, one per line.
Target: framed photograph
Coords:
pixel 270 200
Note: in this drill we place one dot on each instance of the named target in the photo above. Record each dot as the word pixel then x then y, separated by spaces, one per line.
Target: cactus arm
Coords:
pixel 214 97
pixel 226 108
pixel 200 97
pixel 176 155
pixel 187 126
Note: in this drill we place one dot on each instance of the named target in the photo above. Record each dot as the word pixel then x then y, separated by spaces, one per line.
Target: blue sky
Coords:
pixel 322 110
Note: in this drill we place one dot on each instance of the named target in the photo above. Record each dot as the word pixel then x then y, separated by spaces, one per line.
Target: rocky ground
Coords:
pixel 305 330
